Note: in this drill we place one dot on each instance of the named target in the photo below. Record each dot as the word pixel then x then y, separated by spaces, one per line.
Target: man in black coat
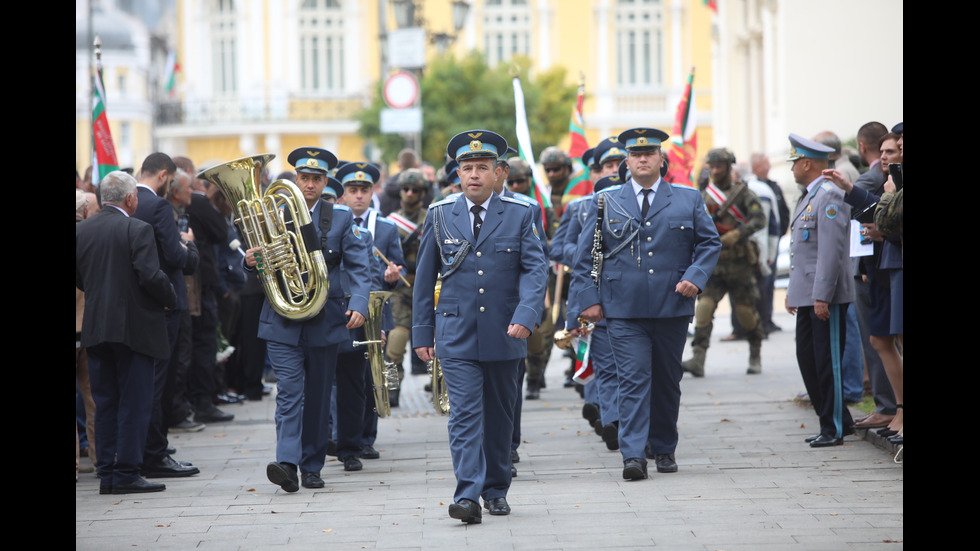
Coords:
pixel 124 329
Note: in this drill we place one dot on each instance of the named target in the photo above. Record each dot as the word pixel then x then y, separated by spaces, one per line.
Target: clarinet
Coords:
pixel 597 243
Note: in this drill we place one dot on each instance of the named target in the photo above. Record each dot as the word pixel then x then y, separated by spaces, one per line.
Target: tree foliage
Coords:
pixel 464 94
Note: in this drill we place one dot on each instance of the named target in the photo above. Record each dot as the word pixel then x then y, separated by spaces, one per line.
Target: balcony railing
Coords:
pixel 258 110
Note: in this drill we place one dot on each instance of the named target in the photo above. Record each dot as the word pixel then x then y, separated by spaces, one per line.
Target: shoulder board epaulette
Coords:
pixel 828 186
pixel 341 207
pixel 516 201
pixel 579 200
pixel 447 201
pixel 611 188
pixel 682 186
pixel 385 220
pixel 526 198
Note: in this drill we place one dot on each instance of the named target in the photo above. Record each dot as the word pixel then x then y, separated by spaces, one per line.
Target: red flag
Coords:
pixel 684 139
pixel 105 153
pixel 579 184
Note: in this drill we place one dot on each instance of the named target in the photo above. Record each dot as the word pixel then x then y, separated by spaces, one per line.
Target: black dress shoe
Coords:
pixel 497 506
pixel 312 480
pixel 515 457
pixel 368 452
pixel 467 511
pixel 647 451
pixel 332 448
pixel 634 468
pixel 886 432
pixel 140 486
pixel 826 441
pixel 809 439
pixel 610 435
pixel 597 425
pixel 665 463
pixel 169 468
pixel 513 470
pixel 283 474
pixel 898 439
pixel 213 415
pixel 353 464
pixel 590 412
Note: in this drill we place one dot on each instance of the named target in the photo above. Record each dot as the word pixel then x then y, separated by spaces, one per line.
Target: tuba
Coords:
pixel 384 374
pixel 295 280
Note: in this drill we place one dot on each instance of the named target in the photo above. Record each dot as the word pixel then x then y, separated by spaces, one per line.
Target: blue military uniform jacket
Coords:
pixel 565 242
pixel 820 268
pixel 344 243
pixel 500 281
pixel 646 258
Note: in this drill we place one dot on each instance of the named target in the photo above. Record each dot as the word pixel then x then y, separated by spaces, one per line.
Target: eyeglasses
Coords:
pixel 517 181
pixel 550 169
pixel 411 189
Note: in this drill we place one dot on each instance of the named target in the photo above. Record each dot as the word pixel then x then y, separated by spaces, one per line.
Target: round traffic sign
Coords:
pixel 400 90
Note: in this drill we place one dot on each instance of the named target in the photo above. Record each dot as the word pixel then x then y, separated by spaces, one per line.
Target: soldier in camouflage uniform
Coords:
pixel 409 219
pixel 737 214
pixel 540 343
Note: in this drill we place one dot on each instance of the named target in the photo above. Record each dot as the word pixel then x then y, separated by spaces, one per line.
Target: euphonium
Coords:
pixel 295 279
pixel 440 394
pixel 384 374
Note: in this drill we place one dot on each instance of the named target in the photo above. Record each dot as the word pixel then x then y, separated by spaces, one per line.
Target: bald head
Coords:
pixel 830 140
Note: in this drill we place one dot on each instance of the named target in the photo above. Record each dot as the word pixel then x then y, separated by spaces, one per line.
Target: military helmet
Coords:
pixel 412 177
pixel 555 156
pixel 519 167
pixel 721 155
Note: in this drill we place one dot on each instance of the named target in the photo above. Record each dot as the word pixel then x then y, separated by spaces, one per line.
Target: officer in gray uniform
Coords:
pixel 658 247
pixel 488 255
pixel 820 287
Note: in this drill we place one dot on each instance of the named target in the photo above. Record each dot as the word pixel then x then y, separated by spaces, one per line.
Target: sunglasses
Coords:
pixel 516 181
pixel 411 189
pixel 550 169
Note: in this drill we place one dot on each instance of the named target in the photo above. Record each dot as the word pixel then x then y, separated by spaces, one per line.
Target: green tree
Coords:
pixel 463 94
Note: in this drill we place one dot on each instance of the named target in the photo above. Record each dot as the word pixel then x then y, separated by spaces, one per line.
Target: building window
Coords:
pixel 639 43
pixel 506 30
pixel 223 46
pixel 321 46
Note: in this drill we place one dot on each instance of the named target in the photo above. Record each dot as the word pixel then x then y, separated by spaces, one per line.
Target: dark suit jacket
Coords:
pixel 210 229
pixel 173 258
pixel 125 290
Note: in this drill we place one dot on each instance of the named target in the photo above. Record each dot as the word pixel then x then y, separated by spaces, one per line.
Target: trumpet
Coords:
pixel 563 338
pixel 384 374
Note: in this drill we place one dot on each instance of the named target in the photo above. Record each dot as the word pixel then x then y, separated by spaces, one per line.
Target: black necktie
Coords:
pixel 646 202
pixel 358 220
pixel 477 221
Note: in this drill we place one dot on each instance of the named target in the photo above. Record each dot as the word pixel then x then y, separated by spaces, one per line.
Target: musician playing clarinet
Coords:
pixel 658 246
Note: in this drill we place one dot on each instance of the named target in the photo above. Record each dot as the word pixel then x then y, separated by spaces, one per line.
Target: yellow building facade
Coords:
pixel 270 75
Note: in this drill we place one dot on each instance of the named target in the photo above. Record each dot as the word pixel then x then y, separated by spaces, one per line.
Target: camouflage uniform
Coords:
pixel 401 300
pixel 734 273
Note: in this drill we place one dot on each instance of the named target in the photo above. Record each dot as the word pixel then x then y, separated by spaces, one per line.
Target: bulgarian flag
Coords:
pixel 683 143
pixel 172 67
pixel 712 5
pixel 583 363
pixel 105 153
pixel 540 192
pixel 579 184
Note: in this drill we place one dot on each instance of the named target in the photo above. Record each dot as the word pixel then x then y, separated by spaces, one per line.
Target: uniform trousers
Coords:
pixel 648 357
pixel 122 386
pixel 606 375
pixel 351 397
pixel 819 350
pixel 482 396
pixel 518 405
pixel 305 376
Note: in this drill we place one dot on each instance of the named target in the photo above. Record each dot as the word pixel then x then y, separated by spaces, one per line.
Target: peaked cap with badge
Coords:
pixel 476 144
pixel 802 148
pixel 358 173
pixel 312 160
pixel 642 139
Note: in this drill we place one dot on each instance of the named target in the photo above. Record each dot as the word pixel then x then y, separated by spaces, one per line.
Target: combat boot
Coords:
pixel 695 365
pixel 755 359
pixel 533 390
